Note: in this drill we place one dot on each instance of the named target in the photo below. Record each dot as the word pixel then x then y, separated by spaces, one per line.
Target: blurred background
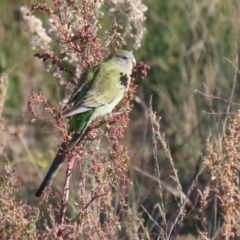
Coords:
pixel 189 45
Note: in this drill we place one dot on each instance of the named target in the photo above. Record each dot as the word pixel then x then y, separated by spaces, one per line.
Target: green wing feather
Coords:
pixel 86 79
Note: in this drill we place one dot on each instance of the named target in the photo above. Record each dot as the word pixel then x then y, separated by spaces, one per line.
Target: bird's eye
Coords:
pixel 125 58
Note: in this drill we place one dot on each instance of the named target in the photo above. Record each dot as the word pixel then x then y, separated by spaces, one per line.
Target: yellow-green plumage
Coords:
pixel 98 92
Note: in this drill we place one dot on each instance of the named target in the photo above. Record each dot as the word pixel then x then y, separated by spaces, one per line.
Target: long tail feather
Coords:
pixel 81 125
pixel 55 165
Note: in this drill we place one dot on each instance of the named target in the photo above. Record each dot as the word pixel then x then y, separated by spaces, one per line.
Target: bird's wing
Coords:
pixel 85 83
pixel 86 79
pixel 106 86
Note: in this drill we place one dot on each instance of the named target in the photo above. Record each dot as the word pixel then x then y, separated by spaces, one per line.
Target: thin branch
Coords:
pixel 219 113
pixel 161 138
pixel 160 228
pixel 180 211
pixel 232 93
pixel 156 128
pixel 165 185
pixel 215 97
pixel 65 196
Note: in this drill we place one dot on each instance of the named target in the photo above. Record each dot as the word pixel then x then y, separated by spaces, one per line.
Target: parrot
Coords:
pixel 99 90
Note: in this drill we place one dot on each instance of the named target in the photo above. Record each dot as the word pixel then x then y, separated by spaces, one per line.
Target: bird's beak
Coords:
pixel 134 62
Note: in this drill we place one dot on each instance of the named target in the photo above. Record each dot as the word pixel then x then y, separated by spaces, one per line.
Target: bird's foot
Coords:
pixel 112 117
pixel 115 114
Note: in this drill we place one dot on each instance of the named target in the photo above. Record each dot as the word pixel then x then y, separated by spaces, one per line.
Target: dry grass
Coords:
pixel 171 177
pixel 18 220
pixel 3 93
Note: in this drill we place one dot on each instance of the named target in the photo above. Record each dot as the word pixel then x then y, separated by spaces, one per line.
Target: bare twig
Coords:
pixel 3 93
pixel 156 128
pixel 219 113
pixel 160 228
pixel 161 138
pixel 65 196
pixel 232 93
pixel 216 97
pixel 180 211
pixel 165 185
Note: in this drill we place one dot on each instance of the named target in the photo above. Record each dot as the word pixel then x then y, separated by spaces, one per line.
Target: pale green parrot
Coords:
pixel 99 91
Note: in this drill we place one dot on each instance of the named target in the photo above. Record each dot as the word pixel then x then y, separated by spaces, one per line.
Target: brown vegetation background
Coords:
pixel 193 86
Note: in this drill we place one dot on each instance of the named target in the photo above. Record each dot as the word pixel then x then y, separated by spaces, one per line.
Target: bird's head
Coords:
pixel 126 58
